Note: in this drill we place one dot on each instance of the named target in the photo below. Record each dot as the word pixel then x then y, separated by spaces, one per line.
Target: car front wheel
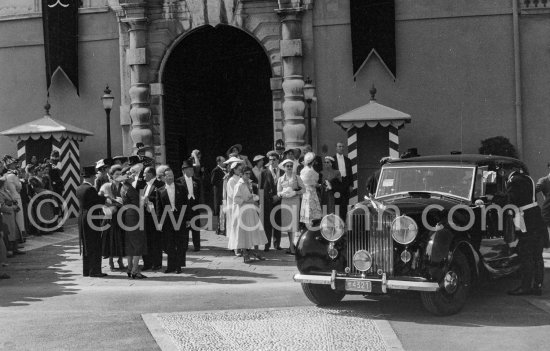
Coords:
pixel 451 298
pixel 322 295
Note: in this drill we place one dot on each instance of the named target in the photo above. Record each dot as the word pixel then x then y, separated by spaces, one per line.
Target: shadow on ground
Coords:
pixel 39 274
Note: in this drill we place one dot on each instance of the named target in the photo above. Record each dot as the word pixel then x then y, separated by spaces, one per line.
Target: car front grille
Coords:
pixel 369 230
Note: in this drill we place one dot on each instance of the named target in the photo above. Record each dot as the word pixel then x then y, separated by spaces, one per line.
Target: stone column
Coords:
pixel 294 128
pixel 140 112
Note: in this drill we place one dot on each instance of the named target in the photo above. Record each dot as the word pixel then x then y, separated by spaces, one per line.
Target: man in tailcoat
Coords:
pixel 191 189
pixel 530 229
pixel 88 226
pixel 343 164
pixel 170 198
pixel 216 179
pixel 269 185
pixel 153 259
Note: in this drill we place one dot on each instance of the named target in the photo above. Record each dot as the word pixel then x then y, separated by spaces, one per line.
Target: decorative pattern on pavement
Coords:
pixel 304 328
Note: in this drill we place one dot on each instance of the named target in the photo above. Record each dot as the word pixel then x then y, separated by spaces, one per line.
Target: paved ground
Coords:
pixel 48 305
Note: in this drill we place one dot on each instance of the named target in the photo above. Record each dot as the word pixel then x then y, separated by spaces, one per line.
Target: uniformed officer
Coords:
pixel 88 227
pixel 530 228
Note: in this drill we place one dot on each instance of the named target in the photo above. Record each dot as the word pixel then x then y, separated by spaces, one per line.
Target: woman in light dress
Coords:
pixel 236 167
pixel 310 210
pixel 289 188
pixel 249 232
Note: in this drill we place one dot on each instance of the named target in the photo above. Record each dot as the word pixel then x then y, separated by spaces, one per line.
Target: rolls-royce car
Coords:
pixel 436 225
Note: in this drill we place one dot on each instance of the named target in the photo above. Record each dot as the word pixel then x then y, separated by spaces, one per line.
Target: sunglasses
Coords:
pixel 289 166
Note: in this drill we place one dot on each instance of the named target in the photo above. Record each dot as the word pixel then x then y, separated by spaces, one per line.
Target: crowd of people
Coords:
pixel 18 185
pixel 252 202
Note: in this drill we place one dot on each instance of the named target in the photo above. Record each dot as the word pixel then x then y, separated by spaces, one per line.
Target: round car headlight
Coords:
pixel 332 227
pixel 404 230
pixel 362 260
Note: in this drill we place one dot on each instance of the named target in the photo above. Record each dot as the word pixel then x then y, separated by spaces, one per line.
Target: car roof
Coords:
pixel 462 159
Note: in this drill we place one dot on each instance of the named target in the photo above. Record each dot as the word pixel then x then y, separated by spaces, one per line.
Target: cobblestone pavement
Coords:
pixel 305 329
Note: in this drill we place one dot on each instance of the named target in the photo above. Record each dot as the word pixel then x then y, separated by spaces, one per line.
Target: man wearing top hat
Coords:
pixel 89 222
pixel 153 258
pixel 343 164
pixel 57 185
pixel 270 175
pixel 216 179
pixel 191 189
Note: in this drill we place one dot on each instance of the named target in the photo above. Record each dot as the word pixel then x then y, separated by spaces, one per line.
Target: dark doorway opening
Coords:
pixel 217 94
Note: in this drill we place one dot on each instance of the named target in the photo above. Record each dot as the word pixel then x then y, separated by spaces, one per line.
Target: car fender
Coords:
pixel 312 254
pixel 472 255
pixel 439 245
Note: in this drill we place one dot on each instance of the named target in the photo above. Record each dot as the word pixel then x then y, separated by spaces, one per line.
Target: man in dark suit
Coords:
pixel 90 236
pixel 191 189
pixel 170 199
pixel 216 179
pixel 343 164
pixel 153 259
pixel 530 229
pixel 270 200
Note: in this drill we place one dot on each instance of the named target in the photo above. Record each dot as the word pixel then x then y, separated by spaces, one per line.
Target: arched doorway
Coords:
pixel 216 94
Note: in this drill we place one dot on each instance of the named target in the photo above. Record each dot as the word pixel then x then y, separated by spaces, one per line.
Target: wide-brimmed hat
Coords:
pixel 101 164
pixel 309 157
pixel 293 150
pixel 236 163
pixel 120 158
pixel 330 158
pixel 238 146
pixel 232 160
pixel 87 171
pixel 186 164
pixel 284 163
pixel 133 160
pixel 258 158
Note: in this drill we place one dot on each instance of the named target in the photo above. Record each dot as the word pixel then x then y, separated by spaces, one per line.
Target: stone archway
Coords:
pixel 216 92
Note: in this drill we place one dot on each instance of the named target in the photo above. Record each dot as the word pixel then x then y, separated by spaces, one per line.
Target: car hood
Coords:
pixel 411 205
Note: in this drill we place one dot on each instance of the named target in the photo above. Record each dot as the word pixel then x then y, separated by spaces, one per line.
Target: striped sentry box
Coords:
pixel 393 140
pixel 22 152
pixel 69 163
pixel 352 154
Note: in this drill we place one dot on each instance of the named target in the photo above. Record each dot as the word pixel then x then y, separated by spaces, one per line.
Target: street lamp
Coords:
pixel 309 93
pixel 107 100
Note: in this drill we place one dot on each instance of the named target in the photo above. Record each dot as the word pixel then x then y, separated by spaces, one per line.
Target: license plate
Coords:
pixel 358 285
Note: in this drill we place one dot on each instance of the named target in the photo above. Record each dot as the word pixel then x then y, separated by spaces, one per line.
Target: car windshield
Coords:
pixel 444 180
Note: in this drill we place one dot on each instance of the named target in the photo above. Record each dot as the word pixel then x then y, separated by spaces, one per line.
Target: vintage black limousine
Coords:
pixel 436 225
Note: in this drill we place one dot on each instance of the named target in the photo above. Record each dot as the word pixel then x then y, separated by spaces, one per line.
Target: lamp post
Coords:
pixel 309 93
pixel 107 100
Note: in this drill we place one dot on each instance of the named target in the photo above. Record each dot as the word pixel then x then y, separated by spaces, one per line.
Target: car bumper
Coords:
pixel 377 285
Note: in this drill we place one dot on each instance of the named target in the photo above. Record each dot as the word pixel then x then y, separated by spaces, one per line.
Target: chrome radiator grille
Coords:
pixel 366 231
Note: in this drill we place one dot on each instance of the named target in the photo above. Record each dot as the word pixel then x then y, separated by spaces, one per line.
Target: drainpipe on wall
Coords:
pixel 517 79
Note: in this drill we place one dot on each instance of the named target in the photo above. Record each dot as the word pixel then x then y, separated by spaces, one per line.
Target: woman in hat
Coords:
pixel 289 188
pixel 332 182
pixel 310 210
pixel 235 151
pixel 249 232
pixel 9 209
pixel 135 241
pixel 13 186
pixel 112 239
pixel 235 172
pixel 256 176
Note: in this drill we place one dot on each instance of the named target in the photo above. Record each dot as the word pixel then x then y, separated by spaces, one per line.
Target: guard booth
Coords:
pixel 42 136
pixel 373 133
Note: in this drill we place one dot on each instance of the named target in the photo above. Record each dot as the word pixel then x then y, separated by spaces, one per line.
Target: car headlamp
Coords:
pixel 404 230
pixel 332 227
pixel 362 260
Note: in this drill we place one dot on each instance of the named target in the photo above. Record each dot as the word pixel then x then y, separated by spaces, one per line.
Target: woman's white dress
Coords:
pixel 311 206
pixel 248 230
pixel 290 189
pixel 230 223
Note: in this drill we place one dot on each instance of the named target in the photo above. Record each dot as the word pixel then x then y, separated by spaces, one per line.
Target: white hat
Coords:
pixel 309 157
pixel 257 158
pixel 100 163
pixel 329 158
pixel 236 163
pixel 282 164
pixel 232 160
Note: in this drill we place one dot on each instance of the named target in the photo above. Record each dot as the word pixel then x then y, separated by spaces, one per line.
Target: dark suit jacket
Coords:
pixel 87 198
pixel 217 185
pixel 162 201
pixel 347 181
pixel 269 185
pixel 190 203
pixel 519 190
pixel 57 182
